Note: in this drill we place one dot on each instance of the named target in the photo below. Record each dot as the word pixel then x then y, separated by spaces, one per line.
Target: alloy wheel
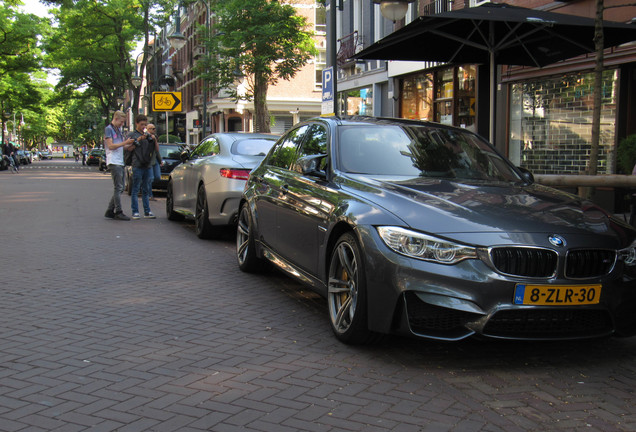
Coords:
pixel 343 287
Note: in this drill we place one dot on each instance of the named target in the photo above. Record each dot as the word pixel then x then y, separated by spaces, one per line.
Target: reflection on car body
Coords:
pixel 207 185
pixel 426 230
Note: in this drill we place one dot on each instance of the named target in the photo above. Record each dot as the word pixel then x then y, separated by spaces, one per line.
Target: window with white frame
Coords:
pixel 320 19
pixel 320 63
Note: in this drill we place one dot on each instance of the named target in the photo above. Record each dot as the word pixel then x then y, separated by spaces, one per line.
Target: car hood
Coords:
pixel 450 208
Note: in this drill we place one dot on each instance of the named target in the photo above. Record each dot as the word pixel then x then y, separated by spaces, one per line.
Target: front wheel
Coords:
pixel 246 256
pixel 347 293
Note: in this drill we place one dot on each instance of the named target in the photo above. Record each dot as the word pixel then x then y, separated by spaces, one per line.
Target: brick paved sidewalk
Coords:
pixel 140 326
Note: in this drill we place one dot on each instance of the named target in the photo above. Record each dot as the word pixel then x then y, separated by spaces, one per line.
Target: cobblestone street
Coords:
pixel 140 326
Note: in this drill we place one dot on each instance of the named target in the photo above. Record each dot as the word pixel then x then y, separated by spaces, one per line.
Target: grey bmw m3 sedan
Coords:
pixel 421 229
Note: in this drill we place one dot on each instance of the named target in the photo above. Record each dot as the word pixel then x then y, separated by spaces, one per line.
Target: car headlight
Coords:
pixel 628 255
pixel 425 247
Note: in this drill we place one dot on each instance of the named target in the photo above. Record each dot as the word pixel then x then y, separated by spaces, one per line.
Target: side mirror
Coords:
pixel 526 175
pixel 184 156
pixel 310 165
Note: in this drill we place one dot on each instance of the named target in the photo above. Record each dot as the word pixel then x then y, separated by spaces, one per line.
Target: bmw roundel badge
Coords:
pixel 557 240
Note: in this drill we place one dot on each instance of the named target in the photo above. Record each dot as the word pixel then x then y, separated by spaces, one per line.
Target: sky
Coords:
pixel 34 7
pixel 41 10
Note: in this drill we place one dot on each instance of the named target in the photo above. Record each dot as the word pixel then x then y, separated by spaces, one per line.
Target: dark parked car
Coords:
pixel 426 230
pixel 94 155
pixel 207 186
pixel 170 156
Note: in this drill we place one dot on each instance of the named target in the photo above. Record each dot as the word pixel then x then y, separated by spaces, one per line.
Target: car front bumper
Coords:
pixel 453 302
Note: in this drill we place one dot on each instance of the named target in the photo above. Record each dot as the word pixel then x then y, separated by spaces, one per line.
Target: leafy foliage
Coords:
pixel 262 39
pixel 20 56
pixel 626 154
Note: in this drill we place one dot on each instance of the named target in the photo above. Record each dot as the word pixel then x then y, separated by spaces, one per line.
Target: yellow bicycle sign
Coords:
pixel 166 101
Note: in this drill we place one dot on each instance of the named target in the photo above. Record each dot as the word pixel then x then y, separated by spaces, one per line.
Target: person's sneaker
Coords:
pixel 136 216
pixel 152 198
pixel 149 215
pixel 121 216
pixel 109 214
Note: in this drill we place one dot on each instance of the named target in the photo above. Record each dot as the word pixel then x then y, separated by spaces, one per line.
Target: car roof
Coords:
pixel 241 135
pixel 353 120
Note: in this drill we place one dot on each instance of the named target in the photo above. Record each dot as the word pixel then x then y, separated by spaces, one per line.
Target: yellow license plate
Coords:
pixel 557 295
pixel 165 176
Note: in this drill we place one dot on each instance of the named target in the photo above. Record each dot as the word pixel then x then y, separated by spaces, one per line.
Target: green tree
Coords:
pixel 91 47
pixel 19 56
pixel 263 39
pixel 93 43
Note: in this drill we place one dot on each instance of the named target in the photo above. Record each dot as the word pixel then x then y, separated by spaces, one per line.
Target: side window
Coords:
pixel 314 144
pixel 316 141
pixel 208 147
pixel 284 154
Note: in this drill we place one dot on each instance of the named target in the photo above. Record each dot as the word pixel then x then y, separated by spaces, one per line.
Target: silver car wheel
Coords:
pixel 343 287
pixel 242 236
pixel 246 256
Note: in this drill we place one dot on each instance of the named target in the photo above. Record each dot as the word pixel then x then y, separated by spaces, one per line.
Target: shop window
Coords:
pixel 551 123
pixel 445 96
pixel 465 110
pixel 357 102
pixel 417 97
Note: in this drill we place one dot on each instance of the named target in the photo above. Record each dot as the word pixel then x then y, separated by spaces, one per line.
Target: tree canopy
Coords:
pixel 20 56
pixel 263 40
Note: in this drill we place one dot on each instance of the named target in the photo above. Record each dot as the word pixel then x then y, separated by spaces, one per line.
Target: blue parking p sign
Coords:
pixel 327 92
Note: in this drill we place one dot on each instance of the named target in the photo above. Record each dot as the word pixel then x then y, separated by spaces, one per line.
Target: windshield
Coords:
pixel 253 146
pixel 420 151
pixel 170 151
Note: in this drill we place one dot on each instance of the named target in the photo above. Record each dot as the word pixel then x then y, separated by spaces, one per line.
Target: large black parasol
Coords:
pixel 496 33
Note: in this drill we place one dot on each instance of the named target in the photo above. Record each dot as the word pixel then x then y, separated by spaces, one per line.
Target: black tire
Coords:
pixel 347 293
pixel 170 213
pixel 202 225
pixel 246 256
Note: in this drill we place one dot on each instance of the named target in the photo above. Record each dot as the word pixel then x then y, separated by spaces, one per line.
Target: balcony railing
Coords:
pixel 353 42
pixel 349 45
pixel 436 7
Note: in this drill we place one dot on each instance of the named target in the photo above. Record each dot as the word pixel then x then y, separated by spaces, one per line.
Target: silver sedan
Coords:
pixel 207 185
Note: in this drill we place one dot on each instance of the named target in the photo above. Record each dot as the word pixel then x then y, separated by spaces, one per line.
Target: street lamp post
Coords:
pixel 137 79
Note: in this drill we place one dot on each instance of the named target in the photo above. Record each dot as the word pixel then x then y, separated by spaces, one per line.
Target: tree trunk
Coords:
pixel 261 113
pixel 597 96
